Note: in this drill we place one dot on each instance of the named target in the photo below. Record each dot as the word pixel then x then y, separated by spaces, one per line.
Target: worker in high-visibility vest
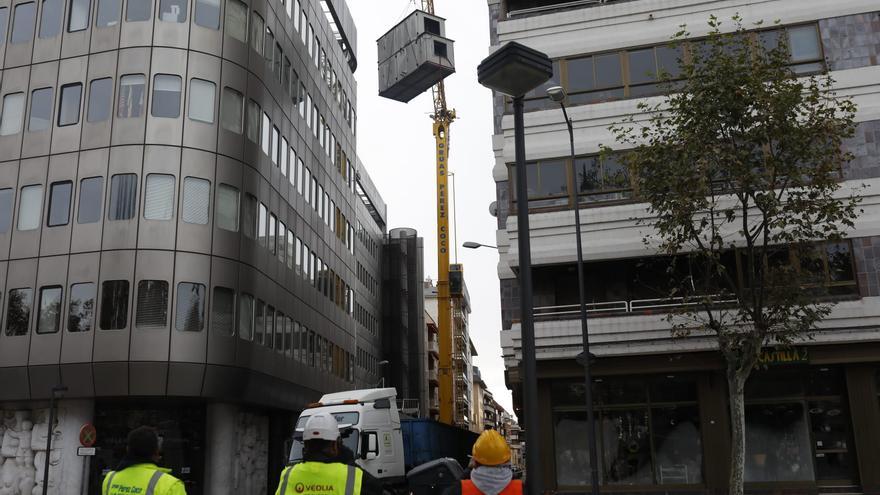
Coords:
pixel 490 473
pixel 138 472
pixel 322 471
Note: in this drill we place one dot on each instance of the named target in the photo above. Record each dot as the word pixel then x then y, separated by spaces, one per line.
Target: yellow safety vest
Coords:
pixel 142 479
pixel 319 478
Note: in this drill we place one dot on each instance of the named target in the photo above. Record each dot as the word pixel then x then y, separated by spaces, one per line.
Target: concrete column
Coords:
pixel 237 451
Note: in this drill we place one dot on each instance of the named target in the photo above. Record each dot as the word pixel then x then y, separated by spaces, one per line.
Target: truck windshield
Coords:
pixel 350 436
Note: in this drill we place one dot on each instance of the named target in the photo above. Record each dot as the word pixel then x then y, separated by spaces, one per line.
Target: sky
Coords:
pixel 396 144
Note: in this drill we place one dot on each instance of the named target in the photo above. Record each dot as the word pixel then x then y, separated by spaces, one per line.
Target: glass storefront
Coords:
pixel 181 427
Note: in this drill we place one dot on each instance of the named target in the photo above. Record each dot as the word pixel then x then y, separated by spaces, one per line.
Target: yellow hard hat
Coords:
pixel 491 449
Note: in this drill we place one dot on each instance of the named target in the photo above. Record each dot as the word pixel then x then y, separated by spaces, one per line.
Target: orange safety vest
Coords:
pixel 514 488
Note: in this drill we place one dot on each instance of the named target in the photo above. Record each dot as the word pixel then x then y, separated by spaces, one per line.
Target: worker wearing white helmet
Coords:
pixel 321 472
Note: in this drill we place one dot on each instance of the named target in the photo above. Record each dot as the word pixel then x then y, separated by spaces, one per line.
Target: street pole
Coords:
pixel 585 334
pixel 534 482
pixel 50 433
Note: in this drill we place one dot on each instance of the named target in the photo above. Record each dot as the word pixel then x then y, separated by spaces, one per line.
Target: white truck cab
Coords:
pixel 369 423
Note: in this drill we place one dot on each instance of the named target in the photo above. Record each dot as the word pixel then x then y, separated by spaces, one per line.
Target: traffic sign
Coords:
pixel 85 451
pixel 88 435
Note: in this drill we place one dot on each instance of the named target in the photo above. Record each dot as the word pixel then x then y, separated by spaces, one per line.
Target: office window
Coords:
pixel 266 134
pixel 278 63
pixel 13 112
pixel 59 203
pixel 249 216
pixel 49 317
pixel 196 200
pixel 315 120
pixel 152 304
pixel 18 311
pixel 274 147
pixel 69 104
pixel 7 205
pixel 288 336
pixel 290 253
pixel 231 109
pixel 208 13
pixel 282 241
pixel 308 111
pixel 259 321
pixel 246 316
pixel 78 19
pixel 223 311
pixel 4 17
pixel 253 121
pixel 268 46
pixel 132 95
pixel 91 199
pixel 50 18
pixel 81 309
pixel 166 96
pixel 138 10
pixel 257 29
pixel 295 14
pixel 236 20
pixel 320 205
pixel 270 326
pixel 41 109
pixel 299 175
pixel 280 330
pixel 261 225
pixel 283 152
pixel 159 197
pixel 30 206
pixel 23 23
pixel 301 104
pixel 313 193
pixel 298 255
pixel 226 210
pixel 100 98
pixel 190 307
pixel 201 100
pixel 172 10
pixel 108 13
pixel 114 304
pixel 123 197
pixel 285 74
pixel 272 237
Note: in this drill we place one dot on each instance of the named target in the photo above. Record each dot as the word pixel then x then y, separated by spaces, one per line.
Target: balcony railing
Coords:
pixel 409 406
pixel 636 306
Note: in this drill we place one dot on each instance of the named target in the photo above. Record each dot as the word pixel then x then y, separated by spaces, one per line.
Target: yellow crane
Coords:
pixel 443 118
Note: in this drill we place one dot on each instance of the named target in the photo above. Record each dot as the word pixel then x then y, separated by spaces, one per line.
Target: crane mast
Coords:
pixel 443 119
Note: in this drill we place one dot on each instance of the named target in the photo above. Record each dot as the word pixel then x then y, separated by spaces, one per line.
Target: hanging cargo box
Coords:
pixel 413 56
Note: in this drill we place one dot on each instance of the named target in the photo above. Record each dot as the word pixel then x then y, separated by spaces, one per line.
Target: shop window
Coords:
pixel 81 308
pixel 259 321
pixel 91 199
pixel 108 13
pixel 18 311
pixel 49 318
pixel 190 307
pixel 123 197
pixel 59 203
pixel 152 304
pixel 30 206
pixel 196 200
pixel 266 134
pixel 78 19
pixel 227 207
pixel 246 317
pixel 166 96
pixel 100 99
pixel 159 197
pixel 69 104
pixel 7 205
pixel 207 13
pixel 50 18
pixel 114 304
pixel 12 114
pixel 236 20
pixel 777 443
pixel 257 29
pixel 262 220
pixel 253 121
pixel 172 10
pixel 41 109
pixel 249 216
pixel 201 100
pixel 23 22
pixel 223 311
pixel 132 95
pixel 231 109
pixel 138 10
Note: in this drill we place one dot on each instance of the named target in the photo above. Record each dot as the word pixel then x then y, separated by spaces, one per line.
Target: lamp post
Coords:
pixel 557 94
pixel 514 70
pixel 57 389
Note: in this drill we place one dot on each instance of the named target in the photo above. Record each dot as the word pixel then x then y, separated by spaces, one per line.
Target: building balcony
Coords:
pixel 434 348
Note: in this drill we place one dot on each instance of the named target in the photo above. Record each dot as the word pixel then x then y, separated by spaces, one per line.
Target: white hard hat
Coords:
pixel 321 427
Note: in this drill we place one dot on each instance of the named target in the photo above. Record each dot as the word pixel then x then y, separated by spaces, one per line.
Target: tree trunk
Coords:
pixel 736 383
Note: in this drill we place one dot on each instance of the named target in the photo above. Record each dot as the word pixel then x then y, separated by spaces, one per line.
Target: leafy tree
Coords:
pixel 742 157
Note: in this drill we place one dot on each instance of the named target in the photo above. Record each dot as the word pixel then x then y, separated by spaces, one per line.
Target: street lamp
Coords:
pixel 514 70
pixel 557 94
pixel 476 245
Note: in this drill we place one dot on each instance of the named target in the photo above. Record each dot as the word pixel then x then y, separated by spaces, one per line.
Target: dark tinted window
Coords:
pixel 108 12
pixel 100 98
pixel 41 109
pixel 91 197
pixel 231 107
pixel 208 13
pixel 69 104
pixel 152 304
pixel 223 312
pixel 114 304
pixel 59 203
pixel 23 23
pixel 81 315
pixel 190 307
pixel 166 96
pixel 18 311
pixel 50 18
pixel 50 310
pixel 7 201
pixel 138 10
pixel 79 15
pixel 123 197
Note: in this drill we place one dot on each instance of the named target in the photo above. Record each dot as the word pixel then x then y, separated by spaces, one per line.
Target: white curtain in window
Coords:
pixel 30 207
pixel 159 197
pixel 196 200
pixel 13 110
pixel 201 100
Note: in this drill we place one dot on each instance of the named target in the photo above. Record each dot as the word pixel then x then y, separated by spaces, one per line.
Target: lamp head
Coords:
pixel 557 94
pixel 471 245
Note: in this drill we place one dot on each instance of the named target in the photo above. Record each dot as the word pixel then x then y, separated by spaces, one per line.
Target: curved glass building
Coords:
pixel 184 231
